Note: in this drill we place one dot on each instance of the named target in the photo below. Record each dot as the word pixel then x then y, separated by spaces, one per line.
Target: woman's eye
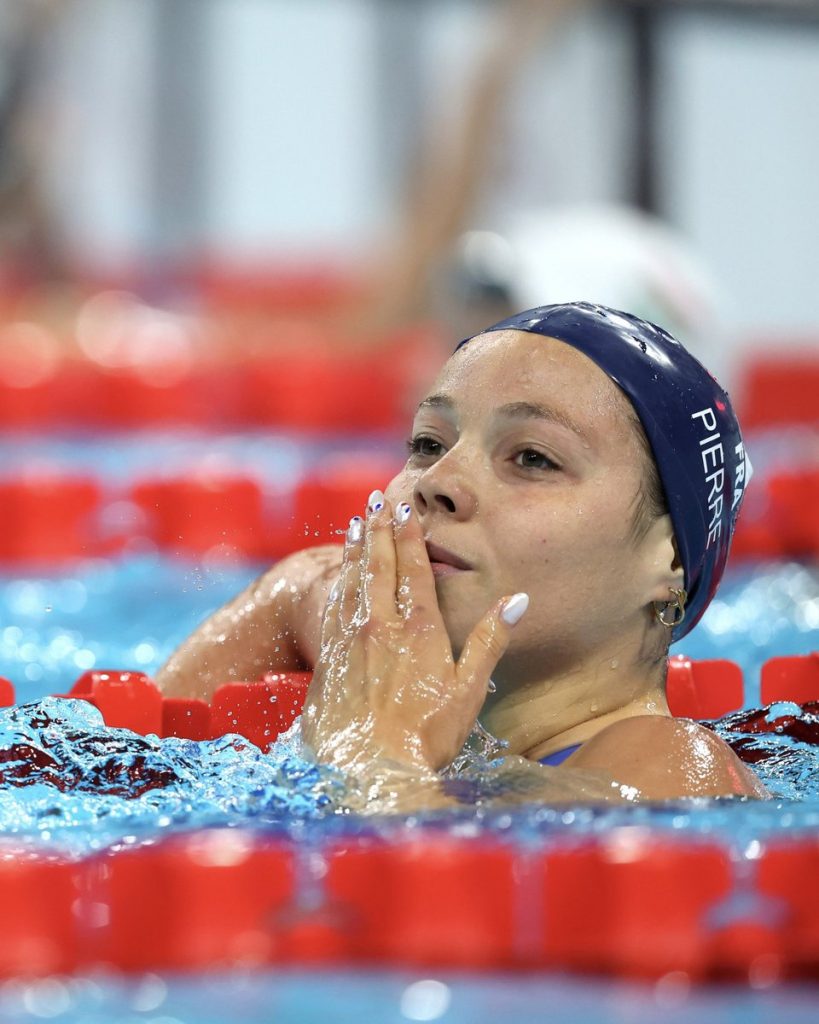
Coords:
pixel 529 458
pixel 424 446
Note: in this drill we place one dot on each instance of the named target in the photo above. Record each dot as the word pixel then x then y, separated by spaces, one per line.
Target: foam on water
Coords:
pixel 68 780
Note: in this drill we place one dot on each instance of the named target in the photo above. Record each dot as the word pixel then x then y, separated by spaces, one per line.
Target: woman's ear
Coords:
pixel 662 560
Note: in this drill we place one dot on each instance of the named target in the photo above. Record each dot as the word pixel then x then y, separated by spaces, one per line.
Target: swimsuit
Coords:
pixel 559 756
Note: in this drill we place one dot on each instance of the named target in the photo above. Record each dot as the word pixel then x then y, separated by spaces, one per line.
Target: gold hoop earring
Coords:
pixel 677 608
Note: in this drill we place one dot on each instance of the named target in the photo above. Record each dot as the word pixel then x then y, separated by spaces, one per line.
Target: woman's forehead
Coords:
pixel 503 366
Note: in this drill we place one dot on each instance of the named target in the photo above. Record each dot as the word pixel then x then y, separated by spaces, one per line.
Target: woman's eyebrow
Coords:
pixel 535 411
pixel 514 410
pixel 437 402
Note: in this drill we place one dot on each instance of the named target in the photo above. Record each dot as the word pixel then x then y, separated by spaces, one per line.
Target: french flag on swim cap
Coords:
pixel 688 420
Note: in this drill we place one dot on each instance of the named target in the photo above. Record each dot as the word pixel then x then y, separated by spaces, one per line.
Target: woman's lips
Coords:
pixel 440 569
pixel 445 563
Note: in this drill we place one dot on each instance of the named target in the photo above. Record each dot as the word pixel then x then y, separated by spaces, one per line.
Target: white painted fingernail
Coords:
pixel 402 513
pixel 355 530
pixel 375 502
pixel 514 609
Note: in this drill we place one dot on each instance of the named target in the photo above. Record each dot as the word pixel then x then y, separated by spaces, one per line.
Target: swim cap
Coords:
pixel 688 420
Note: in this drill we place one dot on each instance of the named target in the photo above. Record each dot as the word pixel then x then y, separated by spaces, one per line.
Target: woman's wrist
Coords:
pixel 357 747
pixel 392 787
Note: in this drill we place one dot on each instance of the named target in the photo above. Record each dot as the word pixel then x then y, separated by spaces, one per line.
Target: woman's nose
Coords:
pixel 444 489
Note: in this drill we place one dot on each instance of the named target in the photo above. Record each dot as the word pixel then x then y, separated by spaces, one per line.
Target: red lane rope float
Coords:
pixel 300 375
pixel 52 518
pixel 703 689
pixel 779 388
pixel 128 398
pixel 261 710
pixel 779 519
pixel 326 500
pixel 205 514
pixel 625 903
pixel 795 678
pixel 38 898
pixel 49 518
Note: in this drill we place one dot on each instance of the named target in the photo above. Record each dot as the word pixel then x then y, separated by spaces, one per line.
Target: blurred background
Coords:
pixel 238 236
pixel 150 141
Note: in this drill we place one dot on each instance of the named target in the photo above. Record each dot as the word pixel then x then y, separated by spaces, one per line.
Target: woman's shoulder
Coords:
pixel 306 578
pixel 664 758
pixel 300 571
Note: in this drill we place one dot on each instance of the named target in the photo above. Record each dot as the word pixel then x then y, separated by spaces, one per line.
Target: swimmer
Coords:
pixel 565 512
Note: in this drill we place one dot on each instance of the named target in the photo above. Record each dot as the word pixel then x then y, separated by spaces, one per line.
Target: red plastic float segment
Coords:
pixel 779 387
pixel 316 379
pixel 703 689
pixel 795 678
pixel 262 710
pixel 145 396
pixel 215 899
pixel 127 700
pixel 38 898
pixel 779 518
pixel 434 901
pixel 34 373
pixel 794 500
pixel 785 876
pixel 7 696
pixel 248 709
pixel 205 514
pixel 185 718
pixel 314 391
pixel 631 904
pixel 324 502
pixel 259 711
pixel 48 518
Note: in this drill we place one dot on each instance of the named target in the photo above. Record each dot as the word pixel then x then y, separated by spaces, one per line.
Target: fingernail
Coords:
pixel 402 513
pixel 355 530
pixel 334 592
pixel 514 609
pixel 375 502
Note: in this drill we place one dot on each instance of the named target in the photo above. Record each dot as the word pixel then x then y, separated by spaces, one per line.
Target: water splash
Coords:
pixel 70 783
pixel 65 777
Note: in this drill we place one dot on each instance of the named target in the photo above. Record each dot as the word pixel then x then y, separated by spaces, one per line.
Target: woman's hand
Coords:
pixel 386 686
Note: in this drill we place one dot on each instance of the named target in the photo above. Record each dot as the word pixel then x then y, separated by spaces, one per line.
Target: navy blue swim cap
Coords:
pixel 688 420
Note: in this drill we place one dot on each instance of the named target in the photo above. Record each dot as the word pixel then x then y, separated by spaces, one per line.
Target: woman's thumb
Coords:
pixel 488 641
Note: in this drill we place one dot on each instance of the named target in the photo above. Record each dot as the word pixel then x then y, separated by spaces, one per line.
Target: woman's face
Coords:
pixel 525 466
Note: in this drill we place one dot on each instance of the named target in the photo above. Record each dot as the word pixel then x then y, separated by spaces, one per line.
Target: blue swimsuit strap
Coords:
pixel 559 756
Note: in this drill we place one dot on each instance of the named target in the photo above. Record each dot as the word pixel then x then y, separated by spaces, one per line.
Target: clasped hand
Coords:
pixel 386 687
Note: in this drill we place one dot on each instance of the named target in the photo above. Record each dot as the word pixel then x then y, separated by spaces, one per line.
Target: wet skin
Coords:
pixel 525 471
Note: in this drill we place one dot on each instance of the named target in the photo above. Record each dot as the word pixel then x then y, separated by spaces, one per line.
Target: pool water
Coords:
pixel 392 997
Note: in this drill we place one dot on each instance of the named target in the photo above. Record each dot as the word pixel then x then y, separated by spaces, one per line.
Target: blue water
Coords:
pixel 395 997
pixel 126 613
